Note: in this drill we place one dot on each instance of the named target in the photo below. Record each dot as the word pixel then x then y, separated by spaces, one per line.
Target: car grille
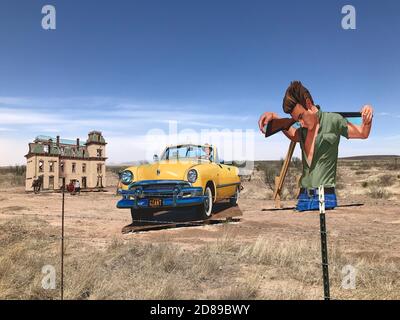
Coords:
pixel 163 187
pixel 160 189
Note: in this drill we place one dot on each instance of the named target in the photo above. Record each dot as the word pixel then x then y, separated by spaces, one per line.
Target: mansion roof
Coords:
pixel 50 146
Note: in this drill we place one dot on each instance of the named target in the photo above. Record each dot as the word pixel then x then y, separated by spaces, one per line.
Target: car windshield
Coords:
pixel 188 152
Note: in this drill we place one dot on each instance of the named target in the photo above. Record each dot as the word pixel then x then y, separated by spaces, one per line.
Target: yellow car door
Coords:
pixel 227 183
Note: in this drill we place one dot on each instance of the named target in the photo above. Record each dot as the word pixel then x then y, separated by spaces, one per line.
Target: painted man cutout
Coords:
pixel 319 137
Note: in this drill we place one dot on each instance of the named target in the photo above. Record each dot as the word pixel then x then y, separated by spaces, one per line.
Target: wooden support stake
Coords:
pixel 281 178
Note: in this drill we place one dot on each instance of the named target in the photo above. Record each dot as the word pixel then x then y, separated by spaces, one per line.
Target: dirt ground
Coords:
pixel 373 226
pixel 272 254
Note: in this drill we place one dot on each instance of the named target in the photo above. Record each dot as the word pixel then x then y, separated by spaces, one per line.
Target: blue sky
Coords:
pixel 127 67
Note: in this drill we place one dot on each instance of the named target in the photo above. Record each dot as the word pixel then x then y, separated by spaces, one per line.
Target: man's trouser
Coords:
pixel 309 200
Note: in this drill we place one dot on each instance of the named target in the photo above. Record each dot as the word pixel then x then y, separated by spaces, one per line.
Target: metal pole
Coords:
pixel 324 246
pixel 62 240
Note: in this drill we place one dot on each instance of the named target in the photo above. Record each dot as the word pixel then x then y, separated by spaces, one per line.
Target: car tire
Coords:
pixel 205 209
pixel 140 214
pixel 233 201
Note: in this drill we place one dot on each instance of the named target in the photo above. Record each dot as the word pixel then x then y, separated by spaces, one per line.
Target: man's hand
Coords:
pixel 265 118
pixel 362 131
pixel 367 114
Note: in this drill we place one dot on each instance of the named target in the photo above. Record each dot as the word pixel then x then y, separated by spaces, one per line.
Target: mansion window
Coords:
pixel 41 165
pixel 99 153
pixel 99 168
pixel 73 167
pixel 51 166
pixel 83 167
pixel 62 167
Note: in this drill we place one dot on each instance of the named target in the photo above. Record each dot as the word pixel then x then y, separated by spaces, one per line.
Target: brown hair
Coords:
pixel 296 93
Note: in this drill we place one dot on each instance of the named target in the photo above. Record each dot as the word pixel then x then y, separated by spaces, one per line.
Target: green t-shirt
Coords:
pixel 322 170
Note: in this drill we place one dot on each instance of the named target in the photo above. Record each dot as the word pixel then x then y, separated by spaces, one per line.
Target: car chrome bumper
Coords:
pixel 172 193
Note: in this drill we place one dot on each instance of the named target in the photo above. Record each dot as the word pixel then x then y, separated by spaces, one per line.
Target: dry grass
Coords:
pixel 130 270
pixel 224 269
pixel 300 261
pixel 25 247
pixel 246 289
pixel 12 176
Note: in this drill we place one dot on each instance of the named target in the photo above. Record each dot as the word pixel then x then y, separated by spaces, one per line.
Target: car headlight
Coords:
pixel 126 177
pixel 192 176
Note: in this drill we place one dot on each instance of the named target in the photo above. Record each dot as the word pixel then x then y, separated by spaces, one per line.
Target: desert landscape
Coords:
pixel 265 254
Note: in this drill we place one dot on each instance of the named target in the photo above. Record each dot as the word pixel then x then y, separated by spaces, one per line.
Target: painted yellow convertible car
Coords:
pixel 185 175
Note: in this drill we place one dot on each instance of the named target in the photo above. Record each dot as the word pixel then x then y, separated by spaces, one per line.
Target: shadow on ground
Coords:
pixel 183 217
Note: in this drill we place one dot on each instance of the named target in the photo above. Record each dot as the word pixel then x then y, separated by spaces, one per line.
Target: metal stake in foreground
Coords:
pixel 62 240
pixel 324 247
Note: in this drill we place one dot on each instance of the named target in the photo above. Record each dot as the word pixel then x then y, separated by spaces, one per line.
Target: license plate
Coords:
pixel 155 203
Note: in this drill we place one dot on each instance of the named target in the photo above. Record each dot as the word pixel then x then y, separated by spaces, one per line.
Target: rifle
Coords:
pixel 276 125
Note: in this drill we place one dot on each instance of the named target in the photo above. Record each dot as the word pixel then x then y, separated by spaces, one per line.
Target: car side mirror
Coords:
pixel 155 158
pixel 222 162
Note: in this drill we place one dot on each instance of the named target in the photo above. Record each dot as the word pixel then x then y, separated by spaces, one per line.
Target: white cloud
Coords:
pixel 24 116
pixel 12 151
pixel 6 130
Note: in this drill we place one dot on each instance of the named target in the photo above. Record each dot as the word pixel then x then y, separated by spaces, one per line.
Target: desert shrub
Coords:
pixel 376 192
pixel 366 165
pixel 393 164
pixel 269 176
pixel 271 169
pixel 386 180
pixel 297 163
pixel 360 172
pixel 115 169
pixel 12 175
pixel 364 184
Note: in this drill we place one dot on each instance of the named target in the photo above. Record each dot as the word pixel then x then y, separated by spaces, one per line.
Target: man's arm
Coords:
pixel 293 134
pixel 266 117
pixel 362 132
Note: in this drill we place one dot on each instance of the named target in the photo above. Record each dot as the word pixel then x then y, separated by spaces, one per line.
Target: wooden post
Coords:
pixel 281 178
pixel 277 195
